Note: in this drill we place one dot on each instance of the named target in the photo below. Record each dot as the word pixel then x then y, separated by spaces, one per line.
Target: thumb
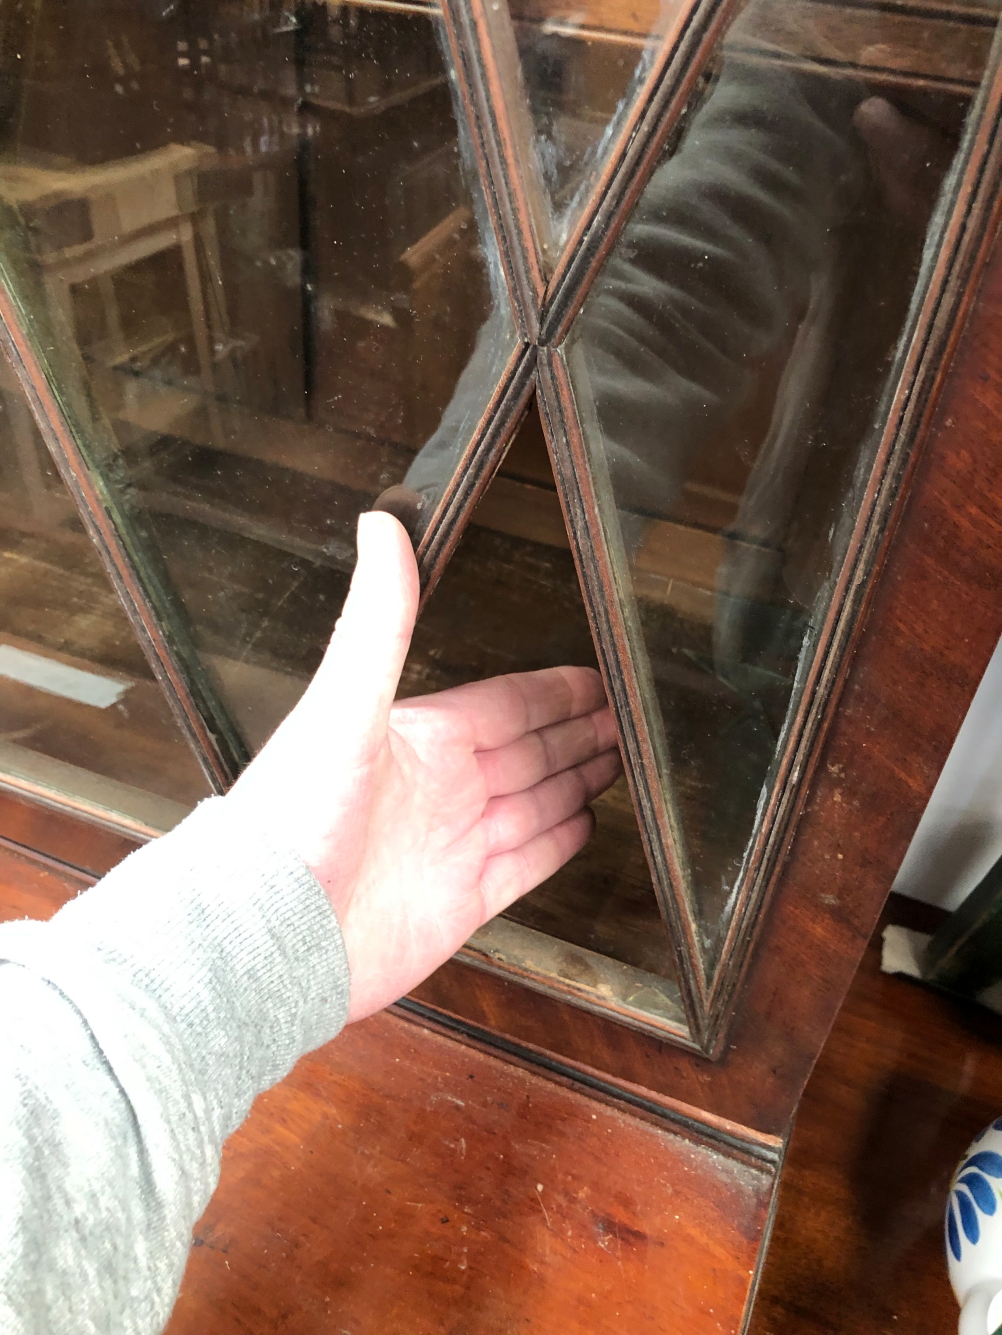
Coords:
pixel 361 668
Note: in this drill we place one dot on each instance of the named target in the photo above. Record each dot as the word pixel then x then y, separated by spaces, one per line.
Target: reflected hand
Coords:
pixel 909 159
pixel 425 818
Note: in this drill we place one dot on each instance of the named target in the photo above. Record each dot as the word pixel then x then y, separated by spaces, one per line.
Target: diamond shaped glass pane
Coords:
pixel 252 251
pixel 732 369
pixel 509 601
pixel 83 718
pixel 582 68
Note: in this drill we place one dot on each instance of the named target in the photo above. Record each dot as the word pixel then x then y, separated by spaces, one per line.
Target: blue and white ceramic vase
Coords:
pixel 974 1234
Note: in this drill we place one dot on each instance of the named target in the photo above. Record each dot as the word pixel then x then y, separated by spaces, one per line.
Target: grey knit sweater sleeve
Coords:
pixel 136 1029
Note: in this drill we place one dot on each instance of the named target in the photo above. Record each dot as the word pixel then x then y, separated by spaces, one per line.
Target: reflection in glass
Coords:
pixel 582 67
pixel 509 601
pixel 80 711
pixel 729 368
pixel 252 226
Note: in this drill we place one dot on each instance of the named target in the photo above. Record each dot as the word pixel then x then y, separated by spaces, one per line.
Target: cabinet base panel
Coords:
pixel 401 1182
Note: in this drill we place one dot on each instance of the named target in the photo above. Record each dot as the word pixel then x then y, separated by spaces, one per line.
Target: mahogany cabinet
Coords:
pixel 669 330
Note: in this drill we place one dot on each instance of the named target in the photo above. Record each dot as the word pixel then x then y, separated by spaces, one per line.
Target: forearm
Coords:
pixel 714 270
pixel 140 1024
pixel 438 458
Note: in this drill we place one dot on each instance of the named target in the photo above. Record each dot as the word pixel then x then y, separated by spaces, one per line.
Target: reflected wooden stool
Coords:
pixel 87 223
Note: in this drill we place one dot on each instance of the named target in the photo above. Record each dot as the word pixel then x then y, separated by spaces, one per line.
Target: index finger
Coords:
pixel 503 709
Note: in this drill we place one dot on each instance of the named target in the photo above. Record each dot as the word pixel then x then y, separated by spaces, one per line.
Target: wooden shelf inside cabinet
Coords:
pixel 89 223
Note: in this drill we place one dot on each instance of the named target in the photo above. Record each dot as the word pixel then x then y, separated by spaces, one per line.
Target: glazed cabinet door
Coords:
pixel 637 315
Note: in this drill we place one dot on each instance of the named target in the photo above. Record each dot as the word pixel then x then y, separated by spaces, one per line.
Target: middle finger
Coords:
pixel 537 755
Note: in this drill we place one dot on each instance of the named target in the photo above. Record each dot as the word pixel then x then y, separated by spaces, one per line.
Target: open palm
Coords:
pixel 425 818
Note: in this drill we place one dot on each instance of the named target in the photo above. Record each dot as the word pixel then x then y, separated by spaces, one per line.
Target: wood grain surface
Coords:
pixel 401 1182
pixel 30 889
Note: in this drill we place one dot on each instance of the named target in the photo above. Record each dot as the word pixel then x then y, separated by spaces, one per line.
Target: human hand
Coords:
pixel 425 818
